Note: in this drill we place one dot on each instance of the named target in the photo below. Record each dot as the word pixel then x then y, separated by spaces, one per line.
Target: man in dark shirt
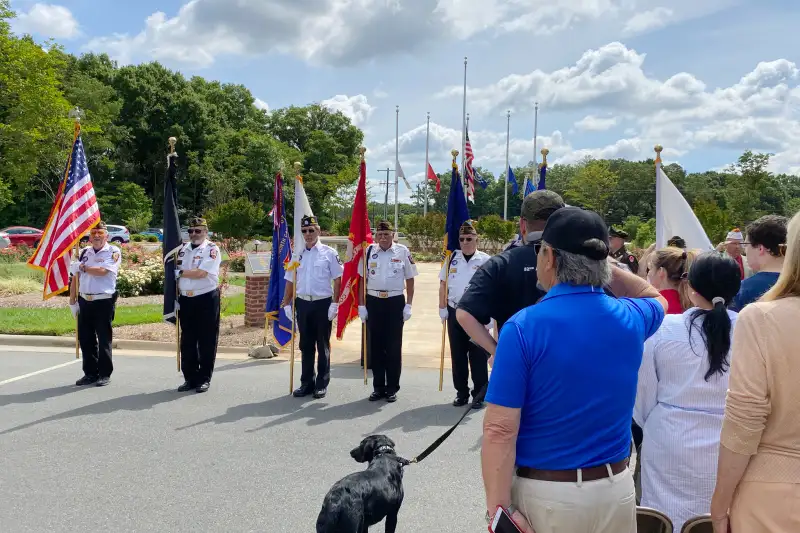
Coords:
pixel 506 283
pixel 617 238
pixel 764 256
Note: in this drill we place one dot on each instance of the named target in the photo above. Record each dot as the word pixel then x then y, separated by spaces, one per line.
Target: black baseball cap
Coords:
pixel 577 231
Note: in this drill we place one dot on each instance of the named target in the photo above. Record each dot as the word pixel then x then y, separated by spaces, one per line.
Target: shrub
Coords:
pixel 137 238
pixel 236 261
pixel 495 231
pixel 426 233
pixel 152 238
pixel 15 254
pixel 236 219
pixel 143 279
pixel 342 228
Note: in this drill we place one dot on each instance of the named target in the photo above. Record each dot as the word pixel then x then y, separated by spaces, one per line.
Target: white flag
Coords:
pixel 674 216
pixel 301 209
pixel 399 172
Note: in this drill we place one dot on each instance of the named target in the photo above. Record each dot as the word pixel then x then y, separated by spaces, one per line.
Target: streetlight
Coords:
pixel 257 243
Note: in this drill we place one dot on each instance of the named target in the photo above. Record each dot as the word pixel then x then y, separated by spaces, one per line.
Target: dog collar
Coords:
pixel 384 449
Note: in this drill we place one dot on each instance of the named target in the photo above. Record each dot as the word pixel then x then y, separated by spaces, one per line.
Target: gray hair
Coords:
pixel 577 269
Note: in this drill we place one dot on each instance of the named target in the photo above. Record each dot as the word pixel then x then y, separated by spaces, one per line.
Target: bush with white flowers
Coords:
pixel 141 279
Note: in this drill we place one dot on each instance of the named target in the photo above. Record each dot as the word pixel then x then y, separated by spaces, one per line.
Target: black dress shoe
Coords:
pixel 86 380
pixel 203 387
pixel 391 398
pixel 320 393
pixel 460 402
pixel 186 387
pixel 376 395
pixel 302 392
pixel 477 404
pixel 102 382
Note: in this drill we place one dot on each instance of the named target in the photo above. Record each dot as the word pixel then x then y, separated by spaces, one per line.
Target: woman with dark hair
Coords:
pixel 680 399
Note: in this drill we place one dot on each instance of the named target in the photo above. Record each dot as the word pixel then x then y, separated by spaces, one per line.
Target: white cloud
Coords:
pixel 356 108
pixel 595 123
pixel 47 20
pixel 261 104
pixel 648 21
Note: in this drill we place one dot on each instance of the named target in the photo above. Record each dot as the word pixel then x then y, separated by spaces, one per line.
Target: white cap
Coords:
pixel 735 235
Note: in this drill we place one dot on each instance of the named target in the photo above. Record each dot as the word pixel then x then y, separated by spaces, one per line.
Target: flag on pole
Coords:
pixel 468 170
pixel 172 243
pixel 399 173
pixel 481 181
pixel 360 238
pixel 542 185
pixel 529 186
pixel 457 213
pixel 74 213
pixel 434 178
pixel 674 216
pixel 512 179
pixel 281 254
pixel 301 209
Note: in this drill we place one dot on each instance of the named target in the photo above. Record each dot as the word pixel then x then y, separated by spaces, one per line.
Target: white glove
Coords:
pixel 362 313
pixel 75 308
pixel 443 314
pixel 288 310
pixel 332 310
pixel 406 312
pixel 74 267
pixel 177 274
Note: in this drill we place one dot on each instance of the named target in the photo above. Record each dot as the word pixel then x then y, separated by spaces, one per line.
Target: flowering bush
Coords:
pixel 236 261
pixel 141 279
pixel 15 254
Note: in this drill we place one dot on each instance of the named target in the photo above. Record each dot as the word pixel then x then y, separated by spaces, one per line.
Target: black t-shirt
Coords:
pixel 503 286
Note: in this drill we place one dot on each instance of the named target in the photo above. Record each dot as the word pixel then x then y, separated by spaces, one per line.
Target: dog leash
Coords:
pixel 438 442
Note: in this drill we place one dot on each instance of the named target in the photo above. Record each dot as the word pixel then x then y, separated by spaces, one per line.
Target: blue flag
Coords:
pixel 542 175
pixel 513 181
pixel 457 213
pixel 529 187
pixel 482 182
pixel 281 255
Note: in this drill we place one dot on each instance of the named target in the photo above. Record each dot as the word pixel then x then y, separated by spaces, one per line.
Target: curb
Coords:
pixel 120 344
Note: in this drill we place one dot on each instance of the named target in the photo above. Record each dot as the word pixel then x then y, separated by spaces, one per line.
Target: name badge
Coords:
pixel 395 260
pixel 453 270
pixel 373 265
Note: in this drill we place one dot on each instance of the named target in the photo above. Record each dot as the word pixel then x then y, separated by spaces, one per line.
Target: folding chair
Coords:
pixel 652 521
pixel 698 524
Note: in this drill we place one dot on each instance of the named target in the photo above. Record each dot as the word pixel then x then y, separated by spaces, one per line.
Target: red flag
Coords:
pixel 360 239
pixel 433 177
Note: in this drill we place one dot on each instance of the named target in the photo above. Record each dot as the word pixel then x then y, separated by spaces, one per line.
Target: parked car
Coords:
pixel 116 234
pixel 5 240
pixel 158 232
pixel 23 235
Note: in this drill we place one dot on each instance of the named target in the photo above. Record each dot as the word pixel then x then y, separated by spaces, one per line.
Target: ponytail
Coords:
pixel 716 333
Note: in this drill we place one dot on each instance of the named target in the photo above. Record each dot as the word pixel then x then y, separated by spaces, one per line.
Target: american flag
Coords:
pixel 469 172
pixel 74 213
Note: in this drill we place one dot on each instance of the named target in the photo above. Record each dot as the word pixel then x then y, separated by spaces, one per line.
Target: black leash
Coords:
pixel 438 442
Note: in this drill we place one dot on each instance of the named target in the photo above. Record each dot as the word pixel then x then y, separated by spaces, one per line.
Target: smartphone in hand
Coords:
pixel 503 523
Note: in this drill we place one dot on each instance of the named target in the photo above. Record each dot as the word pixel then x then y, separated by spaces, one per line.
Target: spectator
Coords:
pixel 644 261
pixel 560 399
pixel 758 478
pixel 681 393
pixel 667 271
pixel 677 242
pixel 764 238
pixel 732 247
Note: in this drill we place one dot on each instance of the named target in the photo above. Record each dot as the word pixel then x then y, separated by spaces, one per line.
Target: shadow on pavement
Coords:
pixel 133 402
pixel 319 413
pixel 246 364
pixel 37 396
pixel 442 415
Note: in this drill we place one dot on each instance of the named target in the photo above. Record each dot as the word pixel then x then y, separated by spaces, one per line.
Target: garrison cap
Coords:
pixel 101 225
pixel 198 222
pixel 308 221
pixel 385 225
pixel 467 228
pixel 616 232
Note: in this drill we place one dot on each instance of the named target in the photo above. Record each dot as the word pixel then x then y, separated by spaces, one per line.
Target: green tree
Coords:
pixel 592 187
pixel 236 219
pixel 645 234
pixel 125 202
pixel 495 231
pixel 426 233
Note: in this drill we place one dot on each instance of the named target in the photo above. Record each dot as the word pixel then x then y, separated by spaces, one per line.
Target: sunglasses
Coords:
pixel 465 239
pixel 307 231
pixel 193 231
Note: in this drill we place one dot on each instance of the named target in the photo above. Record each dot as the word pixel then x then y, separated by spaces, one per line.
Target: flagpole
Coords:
pixel 427 162
pixel 172 141
pixel 505 189
pixel 464 167
pixel 464 128
pixel 363 285
pixel 396 164
pixel 454 153
pixel 297 167
pixel 659 219
pixel 76 278
pixel 268 321
pixel 535 134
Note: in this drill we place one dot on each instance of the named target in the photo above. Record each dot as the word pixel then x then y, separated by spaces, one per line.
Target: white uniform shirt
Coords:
pixel 108 257
pixel 206 257
pixel 387 270
pixel 461 272
pixel 318 267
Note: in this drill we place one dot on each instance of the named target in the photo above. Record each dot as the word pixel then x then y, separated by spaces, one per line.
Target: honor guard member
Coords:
pixel 616 239
pixel 319 279
pixel 198 280
pixel 465 355
pixel 389 267
pixel 96 268
pixel 507 282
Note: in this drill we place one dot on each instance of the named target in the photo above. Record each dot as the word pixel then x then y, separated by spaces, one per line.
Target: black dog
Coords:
pixel 364 498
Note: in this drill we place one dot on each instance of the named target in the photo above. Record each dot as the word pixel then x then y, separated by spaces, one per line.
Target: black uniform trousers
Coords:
pixel 95 335
pixel 315 336
pixel 199 316
pixel 466 356
pixel 385 327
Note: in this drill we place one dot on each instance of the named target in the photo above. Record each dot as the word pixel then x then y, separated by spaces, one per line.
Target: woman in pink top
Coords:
pixel 667 271
pixel 758 475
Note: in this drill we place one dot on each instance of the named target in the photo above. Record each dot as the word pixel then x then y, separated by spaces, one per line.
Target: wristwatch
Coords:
pixel 511 509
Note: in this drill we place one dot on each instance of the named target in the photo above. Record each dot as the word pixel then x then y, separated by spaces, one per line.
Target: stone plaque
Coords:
pixel 257 263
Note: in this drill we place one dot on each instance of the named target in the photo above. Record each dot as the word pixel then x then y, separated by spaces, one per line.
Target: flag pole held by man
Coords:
pixel 281 255
pixel 171 246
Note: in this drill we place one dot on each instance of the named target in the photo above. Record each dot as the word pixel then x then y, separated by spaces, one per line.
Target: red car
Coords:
pixel 23 235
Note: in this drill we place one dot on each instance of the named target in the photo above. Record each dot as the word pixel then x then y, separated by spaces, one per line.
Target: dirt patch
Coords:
pixel 232 332
pixel 34 299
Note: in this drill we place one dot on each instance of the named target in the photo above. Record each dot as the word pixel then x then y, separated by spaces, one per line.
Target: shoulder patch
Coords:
pixel 410 258
pixel 115 256
pixel 213 252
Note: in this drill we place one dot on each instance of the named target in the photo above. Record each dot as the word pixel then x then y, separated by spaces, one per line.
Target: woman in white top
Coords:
pixel 680 399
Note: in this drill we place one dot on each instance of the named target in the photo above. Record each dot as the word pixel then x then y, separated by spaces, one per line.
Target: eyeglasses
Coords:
pixel 307 231
pixel 465 239
pixel 193 231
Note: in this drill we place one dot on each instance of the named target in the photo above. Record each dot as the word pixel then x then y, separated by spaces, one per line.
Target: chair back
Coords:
pixel 698 524
pixel 652 521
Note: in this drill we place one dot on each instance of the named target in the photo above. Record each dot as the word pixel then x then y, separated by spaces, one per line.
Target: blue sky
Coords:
pixel 706 79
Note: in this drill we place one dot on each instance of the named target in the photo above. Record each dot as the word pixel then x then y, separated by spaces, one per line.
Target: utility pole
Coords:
pixel 386 198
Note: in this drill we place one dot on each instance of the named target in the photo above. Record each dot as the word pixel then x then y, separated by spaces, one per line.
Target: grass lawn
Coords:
pixel 18 278
pixel 237 279
pixel 44 321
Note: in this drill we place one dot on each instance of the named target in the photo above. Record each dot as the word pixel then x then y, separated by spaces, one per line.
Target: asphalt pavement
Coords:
pixel 137 456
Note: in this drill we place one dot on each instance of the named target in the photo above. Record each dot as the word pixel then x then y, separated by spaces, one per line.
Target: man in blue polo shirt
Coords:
pixel 561 396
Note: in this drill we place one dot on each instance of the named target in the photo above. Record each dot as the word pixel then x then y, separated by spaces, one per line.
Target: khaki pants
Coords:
pixel 759 506
pixel 602 506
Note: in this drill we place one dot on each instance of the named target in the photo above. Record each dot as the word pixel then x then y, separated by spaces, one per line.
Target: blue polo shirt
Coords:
pixel 571 363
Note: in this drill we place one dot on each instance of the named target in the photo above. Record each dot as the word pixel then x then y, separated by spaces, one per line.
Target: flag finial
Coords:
pixel 454 153
pixel 544 153
pixel 297 167
pixel 362 150
pixel 76 114
pixel 658 148
pixel 172 141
